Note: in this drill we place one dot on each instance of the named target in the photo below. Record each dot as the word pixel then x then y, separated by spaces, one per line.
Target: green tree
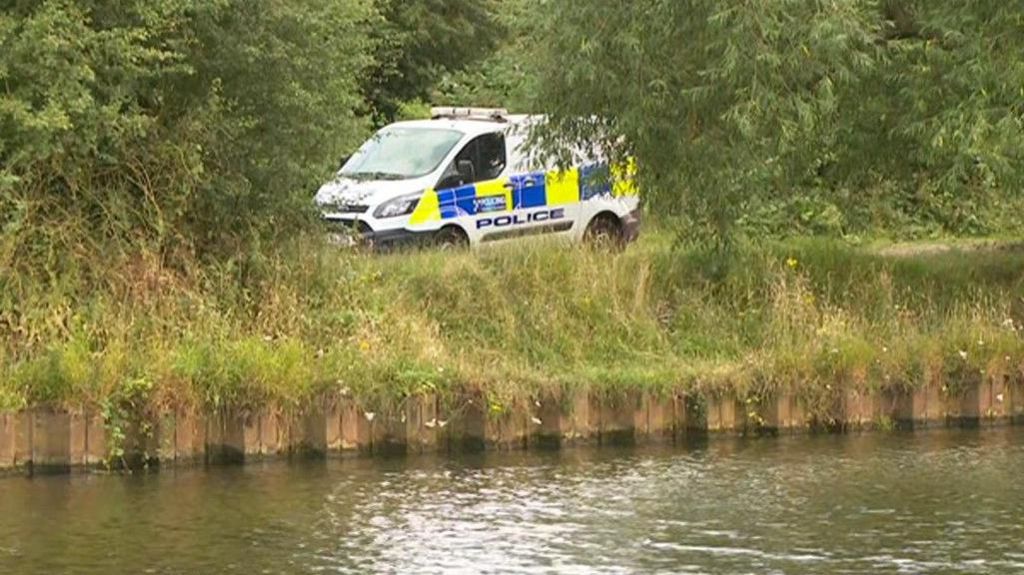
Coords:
pixel 948 102
pixel 808 115
pixel 716 99
pixel 419 42
pixel 507 77
pixel 176 125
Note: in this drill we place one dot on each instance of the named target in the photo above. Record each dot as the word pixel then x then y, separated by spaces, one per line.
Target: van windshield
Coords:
pixel 401 153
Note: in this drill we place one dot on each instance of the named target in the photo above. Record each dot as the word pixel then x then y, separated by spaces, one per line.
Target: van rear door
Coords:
pixel 544 202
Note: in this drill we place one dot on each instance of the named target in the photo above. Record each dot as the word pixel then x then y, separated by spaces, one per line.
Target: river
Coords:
pixel 934 502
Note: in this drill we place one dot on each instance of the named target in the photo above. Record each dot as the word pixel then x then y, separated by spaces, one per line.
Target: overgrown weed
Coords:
pixel 304 320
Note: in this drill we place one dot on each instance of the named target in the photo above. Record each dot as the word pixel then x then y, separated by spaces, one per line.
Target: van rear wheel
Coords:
pixel 451 239
pixel 604 231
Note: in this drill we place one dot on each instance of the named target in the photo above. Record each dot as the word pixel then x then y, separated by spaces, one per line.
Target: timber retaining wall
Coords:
pixel 48 440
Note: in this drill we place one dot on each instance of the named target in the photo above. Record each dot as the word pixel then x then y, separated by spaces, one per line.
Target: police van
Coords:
pixel 464 178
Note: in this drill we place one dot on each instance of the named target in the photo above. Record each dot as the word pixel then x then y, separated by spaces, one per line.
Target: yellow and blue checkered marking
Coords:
pixel 526 191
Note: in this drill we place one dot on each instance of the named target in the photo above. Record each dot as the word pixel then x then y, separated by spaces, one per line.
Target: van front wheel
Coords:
pixel 451 239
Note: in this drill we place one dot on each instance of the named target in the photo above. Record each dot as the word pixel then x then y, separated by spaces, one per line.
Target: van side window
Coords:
pixel 489 156
pixel 485 153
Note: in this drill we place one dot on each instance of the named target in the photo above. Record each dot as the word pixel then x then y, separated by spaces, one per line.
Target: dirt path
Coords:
pixel 913 249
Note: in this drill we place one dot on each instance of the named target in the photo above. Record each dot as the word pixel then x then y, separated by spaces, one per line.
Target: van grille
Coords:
pixel 347 226
pixel 350 208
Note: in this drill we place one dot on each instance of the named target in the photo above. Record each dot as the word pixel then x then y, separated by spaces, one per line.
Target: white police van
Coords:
pixel 464 178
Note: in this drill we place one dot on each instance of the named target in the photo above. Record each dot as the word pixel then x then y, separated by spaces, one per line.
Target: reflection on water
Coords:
pixel 941 502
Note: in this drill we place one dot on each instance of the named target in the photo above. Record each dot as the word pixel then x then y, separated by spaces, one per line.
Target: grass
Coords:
pixel 810 316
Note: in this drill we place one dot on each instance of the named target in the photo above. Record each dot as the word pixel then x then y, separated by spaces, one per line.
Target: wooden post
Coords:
pixel 225 438
pixel 7 436
pixel 51 441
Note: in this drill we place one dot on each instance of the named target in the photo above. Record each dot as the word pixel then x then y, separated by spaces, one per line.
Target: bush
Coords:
pixel 177 126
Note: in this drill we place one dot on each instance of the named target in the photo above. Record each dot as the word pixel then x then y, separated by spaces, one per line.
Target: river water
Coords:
pixel 936 502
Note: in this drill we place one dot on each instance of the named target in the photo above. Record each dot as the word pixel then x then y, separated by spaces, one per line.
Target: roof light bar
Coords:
pixel 469 113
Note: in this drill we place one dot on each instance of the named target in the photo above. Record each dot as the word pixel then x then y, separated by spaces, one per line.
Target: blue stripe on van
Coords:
pixel 529 191
pixel 457 202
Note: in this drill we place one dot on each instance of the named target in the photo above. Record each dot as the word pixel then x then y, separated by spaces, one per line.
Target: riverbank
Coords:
pixel 48 441
pixel 223 355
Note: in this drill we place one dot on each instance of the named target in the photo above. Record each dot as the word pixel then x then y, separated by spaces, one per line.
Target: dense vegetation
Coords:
pixel 795 116
pixel 157 159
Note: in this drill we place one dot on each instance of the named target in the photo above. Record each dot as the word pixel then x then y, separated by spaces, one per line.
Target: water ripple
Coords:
pixel 929 503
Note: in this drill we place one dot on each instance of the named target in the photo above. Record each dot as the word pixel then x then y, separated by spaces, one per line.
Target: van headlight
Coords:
pixel 400 206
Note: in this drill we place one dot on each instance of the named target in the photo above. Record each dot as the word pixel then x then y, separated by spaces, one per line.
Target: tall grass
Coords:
pixel 306 319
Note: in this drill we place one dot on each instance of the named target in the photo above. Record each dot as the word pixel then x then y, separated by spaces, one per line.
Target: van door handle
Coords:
pixel 509 186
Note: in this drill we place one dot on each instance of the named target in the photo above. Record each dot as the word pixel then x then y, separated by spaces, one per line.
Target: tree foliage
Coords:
pixel 799 115
pixel 506 77
pixel 180 124
pixel 420 41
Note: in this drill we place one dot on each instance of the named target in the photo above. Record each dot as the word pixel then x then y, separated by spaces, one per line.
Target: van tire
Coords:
pixel 451 238
pixel 604 231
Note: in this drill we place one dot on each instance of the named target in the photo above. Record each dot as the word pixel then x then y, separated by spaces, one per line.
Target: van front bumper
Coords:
pixel 356 233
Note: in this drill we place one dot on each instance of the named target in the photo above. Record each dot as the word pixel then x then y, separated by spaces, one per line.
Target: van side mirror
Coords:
pixel 450 182
pixel 466 174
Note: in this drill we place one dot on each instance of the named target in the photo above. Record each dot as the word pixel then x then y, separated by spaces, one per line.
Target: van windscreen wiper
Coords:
pixel 368 176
